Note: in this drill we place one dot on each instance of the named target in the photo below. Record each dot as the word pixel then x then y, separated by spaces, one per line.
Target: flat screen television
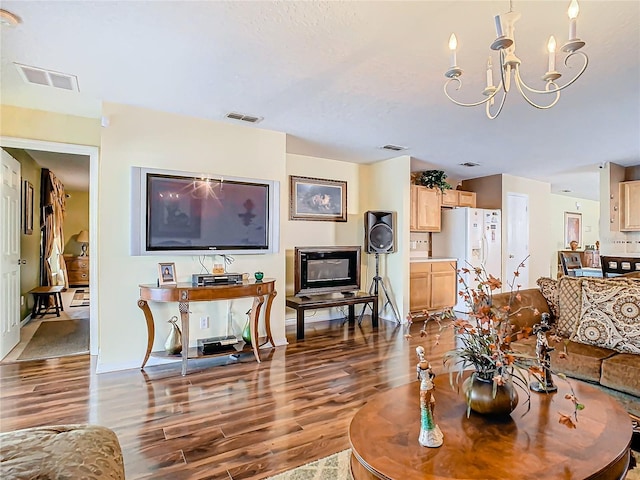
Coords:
pixel 319 270
pixel 198 214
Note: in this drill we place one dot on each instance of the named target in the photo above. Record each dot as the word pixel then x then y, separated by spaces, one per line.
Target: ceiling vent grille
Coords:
pixel 48 78
pixel 243 118
pixel 469 164
pixel 395 148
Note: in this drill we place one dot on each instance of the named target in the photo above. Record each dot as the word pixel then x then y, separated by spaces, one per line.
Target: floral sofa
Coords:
pixel 596 324
pixel 89 452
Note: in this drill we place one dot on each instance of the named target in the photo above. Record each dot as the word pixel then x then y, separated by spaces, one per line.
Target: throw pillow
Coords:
pixel 610 316
pixel 549 290
pixel 569 305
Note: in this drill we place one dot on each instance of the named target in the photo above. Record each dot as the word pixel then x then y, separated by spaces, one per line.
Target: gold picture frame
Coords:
pixel 572 228
pixel 27 207
pixel 167 274
pixel 317 199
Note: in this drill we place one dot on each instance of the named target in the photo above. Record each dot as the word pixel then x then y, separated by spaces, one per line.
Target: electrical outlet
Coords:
pixel 204 322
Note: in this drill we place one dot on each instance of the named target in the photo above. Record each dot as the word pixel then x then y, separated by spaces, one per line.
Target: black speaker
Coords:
pixel 379 232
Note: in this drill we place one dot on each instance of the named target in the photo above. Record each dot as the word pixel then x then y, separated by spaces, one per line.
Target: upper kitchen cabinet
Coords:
pixel 425 209
pixel 630 206
pixel 458 198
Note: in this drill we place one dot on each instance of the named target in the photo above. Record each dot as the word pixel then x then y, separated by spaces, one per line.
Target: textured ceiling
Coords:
pixel 344 78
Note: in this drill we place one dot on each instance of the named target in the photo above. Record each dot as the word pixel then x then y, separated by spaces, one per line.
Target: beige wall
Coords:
pixel 613 241
pixel 76 219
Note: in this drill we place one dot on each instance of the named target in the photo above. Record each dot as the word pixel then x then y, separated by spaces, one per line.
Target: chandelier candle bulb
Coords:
pixel 573 11
pixel 551 46
pixel 453 44
pixel 498 26
pixel 490 73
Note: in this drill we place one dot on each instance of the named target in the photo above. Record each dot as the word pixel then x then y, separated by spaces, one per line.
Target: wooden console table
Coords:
pixel 526 445
pixel 184 293
pixel 300 304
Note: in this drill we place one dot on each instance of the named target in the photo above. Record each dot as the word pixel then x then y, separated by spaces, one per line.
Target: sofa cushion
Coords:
pixel 60 452
pixel 610 315
pixel 569 305
pixel 622 372
pixel 549 289
pixel 581 361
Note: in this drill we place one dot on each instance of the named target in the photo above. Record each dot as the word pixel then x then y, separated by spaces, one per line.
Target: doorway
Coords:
pixel 92 153
pixel 517 235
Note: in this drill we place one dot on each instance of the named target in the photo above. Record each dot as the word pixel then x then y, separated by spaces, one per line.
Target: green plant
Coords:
pixel 434 179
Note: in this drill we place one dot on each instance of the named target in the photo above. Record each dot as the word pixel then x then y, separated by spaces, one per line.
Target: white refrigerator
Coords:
pixel 473 237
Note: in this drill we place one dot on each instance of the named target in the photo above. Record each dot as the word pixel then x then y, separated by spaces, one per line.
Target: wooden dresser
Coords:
pixel 77 270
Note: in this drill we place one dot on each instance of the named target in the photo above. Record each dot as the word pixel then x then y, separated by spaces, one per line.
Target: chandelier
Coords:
pixel 505 44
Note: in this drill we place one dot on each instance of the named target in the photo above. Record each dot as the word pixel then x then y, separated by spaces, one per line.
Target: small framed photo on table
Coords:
pixel 167 274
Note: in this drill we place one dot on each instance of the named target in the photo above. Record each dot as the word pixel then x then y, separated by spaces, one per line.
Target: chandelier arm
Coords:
pixel 505 82
pixel 457 79
pixel 502 100
pixel 584 67
pixel 550 83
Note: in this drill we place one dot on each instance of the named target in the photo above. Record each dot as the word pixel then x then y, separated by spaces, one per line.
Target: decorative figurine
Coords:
pixel 430 433
pixel 543 351
pixel 173 344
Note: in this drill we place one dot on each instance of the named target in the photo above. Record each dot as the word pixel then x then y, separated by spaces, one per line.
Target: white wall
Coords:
pixel 387 187
pixel 139 137
pixel 303 233
pixel 540 242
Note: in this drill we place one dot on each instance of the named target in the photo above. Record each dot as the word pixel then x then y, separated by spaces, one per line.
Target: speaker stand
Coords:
pixel 373 290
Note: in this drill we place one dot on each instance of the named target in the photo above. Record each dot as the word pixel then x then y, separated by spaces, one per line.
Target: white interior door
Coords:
pixel 9 254
pixel 517 244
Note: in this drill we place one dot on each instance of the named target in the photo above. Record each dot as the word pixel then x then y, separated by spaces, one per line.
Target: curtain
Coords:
pixel 54 205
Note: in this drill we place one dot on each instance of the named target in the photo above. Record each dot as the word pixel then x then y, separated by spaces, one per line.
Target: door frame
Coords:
pixel 93 153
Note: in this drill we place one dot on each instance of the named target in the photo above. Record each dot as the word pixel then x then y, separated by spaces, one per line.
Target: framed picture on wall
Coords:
pixel 27 207
pixel 572 228
pixel 317 199
pixel 167 274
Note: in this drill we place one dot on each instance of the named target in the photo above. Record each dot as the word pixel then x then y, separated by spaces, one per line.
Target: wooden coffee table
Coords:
pixel 527 445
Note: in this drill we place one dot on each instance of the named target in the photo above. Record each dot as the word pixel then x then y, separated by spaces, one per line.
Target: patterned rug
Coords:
pixel 333 467
pixel 80 298
pixel 336 467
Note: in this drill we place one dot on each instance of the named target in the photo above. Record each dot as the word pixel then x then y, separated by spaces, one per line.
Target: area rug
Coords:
pixel 80 298
pixel 58 338
pixel 336 467
pixel 333 467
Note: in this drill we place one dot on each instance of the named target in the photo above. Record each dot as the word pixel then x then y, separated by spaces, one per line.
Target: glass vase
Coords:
pixel 480 396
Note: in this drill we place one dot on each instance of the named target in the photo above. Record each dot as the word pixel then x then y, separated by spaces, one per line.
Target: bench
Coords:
pixel 45 298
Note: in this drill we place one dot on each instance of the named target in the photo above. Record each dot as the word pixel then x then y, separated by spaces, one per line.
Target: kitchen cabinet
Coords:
pixel 630 206
pixel 433 285
pixel 425 209
pixel 458 198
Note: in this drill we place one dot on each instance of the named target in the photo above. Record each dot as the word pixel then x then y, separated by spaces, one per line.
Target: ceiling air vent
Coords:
pixel 48 78
pixel 395 148
pixel 469 164
pixel 244 118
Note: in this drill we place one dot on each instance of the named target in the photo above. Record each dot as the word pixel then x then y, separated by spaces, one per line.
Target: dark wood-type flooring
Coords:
pixel 226 419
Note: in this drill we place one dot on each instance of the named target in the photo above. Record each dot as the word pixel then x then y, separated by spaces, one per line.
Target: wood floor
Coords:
pixel 226 419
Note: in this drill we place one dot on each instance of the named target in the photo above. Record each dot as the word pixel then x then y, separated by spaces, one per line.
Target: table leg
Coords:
pixel 184 320
pixel 352 314
pixel 255 315
pixel 60 300
pixel 300 323
pixel 151 329
pixel 56 303
pixel 267 318
pixel 34 310
pixel 374 314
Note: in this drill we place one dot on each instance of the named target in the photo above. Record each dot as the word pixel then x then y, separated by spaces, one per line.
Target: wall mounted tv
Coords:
pixel 176 212
pixel 326 270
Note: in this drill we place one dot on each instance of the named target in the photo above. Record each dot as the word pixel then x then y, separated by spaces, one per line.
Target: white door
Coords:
pixel 9 254
pixel 517 242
